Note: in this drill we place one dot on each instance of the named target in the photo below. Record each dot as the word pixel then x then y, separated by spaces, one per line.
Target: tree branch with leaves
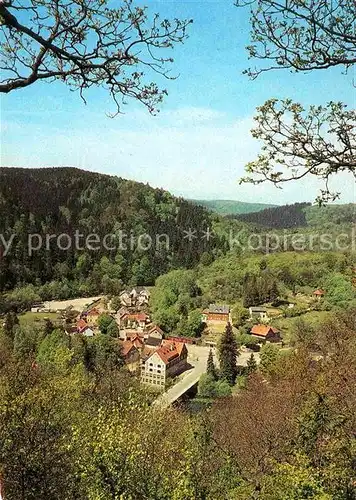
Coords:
pixel 86 43
pixel 302 35
pixel 297 142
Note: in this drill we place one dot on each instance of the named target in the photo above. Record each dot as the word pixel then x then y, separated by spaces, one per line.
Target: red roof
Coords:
pixel 137 342
pixel 171 350
pixel 132 334
pixel 81 325
pixel 93 312
pixel 319 292
pixel 263 330
pixel 127 347
pixel 135 316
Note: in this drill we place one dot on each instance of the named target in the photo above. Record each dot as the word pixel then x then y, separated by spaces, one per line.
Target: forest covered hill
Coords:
pixel 301 215
pixel 232 207
pixel 67 202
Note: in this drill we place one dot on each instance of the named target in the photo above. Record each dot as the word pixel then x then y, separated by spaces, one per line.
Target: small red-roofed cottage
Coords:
pixel 130 320
pixel 167 361
pixel 81 325
pixel 266 332
pixel 84 329
pixel 319 293
pixel 130 354
pixel 92 316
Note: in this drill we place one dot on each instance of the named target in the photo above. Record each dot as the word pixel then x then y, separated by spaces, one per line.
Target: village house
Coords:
pixel 84 329
pixel 216 313
pixel 130 334
pixel 167 361
pixel 91 317
pixel 130 353
pixel 258 312
pixel 153 331
pixel 137 296
pixel 266 332
pixel 319 294
pixel 134 320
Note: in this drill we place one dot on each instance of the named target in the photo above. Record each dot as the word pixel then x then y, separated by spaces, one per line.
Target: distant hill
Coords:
pixel 301 215
pixel 232 207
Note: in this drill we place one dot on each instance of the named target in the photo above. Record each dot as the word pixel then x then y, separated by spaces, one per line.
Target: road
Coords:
pixel 197 357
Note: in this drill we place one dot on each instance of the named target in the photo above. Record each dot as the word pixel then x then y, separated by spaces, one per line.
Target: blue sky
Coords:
pixel 199 143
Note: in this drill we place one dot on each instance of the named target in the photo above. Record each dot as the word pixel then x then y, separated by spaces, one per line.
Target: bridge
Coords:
pixel 197 358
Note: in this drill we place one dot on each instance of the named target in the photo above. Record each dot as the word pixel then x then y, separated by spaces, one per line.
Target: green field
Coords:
pixel 30 318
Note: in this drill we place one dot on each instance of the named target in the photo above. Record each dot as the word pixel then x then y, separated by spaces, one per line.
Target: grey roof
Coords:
pixel 213 308
pixel 258 309
pixel 153 341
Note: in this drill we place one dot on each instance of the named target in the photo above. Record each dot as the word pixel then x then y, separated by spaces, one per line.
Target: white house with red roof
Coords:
pixel 167 361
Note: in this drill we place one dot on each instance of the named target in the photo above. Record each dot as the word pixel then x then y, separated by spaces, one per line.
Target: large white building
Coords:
pixel 167 361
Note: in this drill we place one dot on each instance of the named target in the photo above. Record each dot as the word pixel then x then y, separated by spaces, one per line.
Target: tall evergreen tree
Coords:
pixel 228 353
pixel 251 365
pixel 49 327
pixel 210 366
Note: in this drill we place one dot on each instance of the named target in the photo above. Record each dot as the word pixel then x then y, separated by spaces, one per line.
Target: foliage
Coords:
pixel 104 321
pixel 292 437
pixel 339 290
pixel 301 35
pixel 21 298
pixel 209 387
pixel 285 128
pixel 260 288
pixel 321 142
pixel 115 303
pixel 229 276
pixel 173 299
pixel 206 387
pixel 113 329
pixel 10 325
pixel 86 44
pixel 268 359
pixel 303 333
pixel 239 315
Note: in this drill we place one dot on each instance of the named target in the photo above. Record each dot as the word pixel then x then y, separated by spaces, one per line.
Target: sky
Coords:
pixel 199 143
